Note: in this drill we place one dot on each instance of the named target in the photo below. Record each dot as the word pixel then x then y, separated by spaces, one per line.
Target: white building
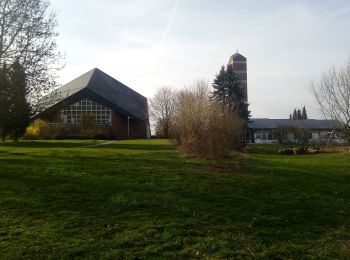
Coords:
pixel 264 130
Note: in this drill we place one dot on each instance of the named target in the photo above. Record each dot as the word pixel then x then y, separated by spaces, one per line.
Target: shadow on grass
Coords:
pixel 46 144
pixel 265 149
pixel 146 147
pixel 75 203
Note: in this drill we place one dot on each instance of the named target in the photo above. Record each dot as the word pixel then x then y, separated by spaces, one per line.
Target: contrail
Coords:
pixel 170 24
pixel 126 23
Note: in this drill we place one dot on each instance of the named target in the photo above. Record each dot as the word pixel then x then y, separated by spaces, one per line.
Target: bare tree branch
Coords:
pixel 332 94
pixel 27 34
pixel 162 107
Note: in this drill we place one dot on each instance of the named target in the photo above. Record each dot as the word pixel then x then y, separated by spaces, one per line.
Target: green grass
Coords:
pixel 141 199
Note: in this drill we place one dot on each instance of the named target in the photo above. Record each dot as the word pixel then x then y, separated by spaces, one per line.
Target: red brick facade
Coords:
pixel 119 128
pixel 239 64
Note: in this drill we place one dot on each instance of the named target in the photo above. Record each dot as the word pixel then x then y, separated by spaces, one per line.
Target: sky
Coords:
pixel 150 44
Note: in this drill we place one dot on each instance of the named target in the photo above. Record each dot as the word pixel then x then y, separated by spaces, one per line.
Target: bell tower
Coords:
pixel 239 64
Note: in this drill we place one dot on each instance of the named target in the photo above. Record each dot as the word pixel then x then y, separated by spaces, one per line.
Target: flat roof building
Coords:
pixel 263 130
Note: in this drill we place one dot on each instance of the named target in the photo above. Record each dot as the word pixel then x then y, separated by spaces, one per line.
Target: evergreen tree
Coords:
pixel 299 114
pixel 304 114
pixel 295 114
pixel 28 33
pixel 19 106
pixel 228 91
pixel 4 102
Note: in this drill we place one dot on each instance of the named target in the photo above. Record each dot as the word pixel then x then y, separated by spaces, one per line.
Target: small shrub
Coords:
pixel 34 130
pixel 51 131
pixel 39 129
pixel 87 123
pixel 32 133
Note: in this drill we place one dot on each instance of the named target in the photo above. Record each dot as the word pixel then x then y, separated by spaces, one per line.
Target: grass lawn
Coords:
pixel 141 199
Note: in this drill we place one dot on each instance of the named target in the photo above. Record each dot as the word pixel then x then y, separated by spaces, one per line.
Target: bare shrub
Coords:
pixel 87 123
pixel 203 127
pixel 51 131
pixel 283 134
pixel 288 134
pixel 301 135
pixel 332 94
pixel 162 107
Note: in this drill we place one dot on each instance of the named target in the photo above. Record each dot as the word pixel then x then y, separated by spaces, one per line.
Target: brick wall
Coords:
pixel 120 127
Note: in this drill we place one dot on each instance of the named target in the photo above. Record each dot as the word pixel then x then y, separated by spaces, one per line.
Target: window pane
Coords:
pixel 72 113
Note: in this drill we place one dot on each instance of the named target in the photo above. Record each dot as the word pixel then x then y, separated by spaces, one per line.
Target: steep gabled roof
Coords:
pixel 109 91
pixel 266 123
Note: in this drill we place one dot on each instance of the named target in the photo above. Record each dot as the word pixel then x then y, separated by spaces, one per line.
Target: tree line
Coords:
pixel 197 117
pixel 28 61
pixel 14 107
pixel 204 120
pixel 299 114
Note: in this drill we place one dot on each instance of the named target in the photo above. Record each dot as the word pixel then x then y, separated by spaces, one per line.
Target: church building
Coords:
pixel 117 111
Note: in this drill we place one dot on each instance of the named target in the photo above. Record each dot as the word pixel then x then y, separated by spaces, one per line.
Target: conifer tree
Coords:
pixel 19 106
pixel 5 95
pixel 28 34
pixel 304 114
pixel 295 114
pixel 228 91
pixel 299 115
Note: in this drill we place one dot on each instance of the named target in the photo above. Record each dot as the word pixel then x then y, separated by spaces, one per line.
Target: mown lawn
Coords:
pixel 141 199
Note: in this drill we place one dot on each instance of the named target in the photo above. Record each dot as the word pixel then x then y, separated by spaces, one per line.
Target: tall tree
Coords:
pixel 228 91
pixel 27 34
pixel 332 94
pixel 295 114
pixel 19 106
pixel 299 114
pixel 162 107
pixel 4 102
pixel 304 114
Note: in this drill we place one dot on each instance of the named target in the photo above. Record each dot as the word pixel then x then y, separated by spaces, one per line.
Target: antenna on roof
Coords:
pixel 237 49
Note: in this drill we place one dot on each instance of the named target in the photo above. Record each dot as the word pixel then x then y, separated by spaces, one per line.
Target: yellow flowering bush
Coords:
pixel 34 131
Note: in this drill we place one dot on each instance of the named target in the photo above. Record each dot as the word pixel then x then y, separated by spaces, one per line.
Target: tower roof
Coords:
pixel 103 89
pixel 238 57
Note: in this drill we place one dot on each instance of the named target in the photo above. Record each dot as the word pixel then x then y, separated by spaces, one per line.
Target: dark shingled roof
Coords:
pixel 103 89
pixel 266 123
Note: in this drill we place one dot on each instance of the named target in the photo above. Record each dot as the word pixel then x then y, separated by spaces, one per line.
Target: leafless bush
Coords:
pixel 287 134
pixel 283 134
pixel 87 123
pixel 203 127
pixel 332 94
pixel 162 107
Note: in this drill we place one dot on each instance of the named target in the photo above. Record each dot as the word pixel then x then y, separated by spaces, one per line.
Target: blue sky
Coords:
pixel 150 44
